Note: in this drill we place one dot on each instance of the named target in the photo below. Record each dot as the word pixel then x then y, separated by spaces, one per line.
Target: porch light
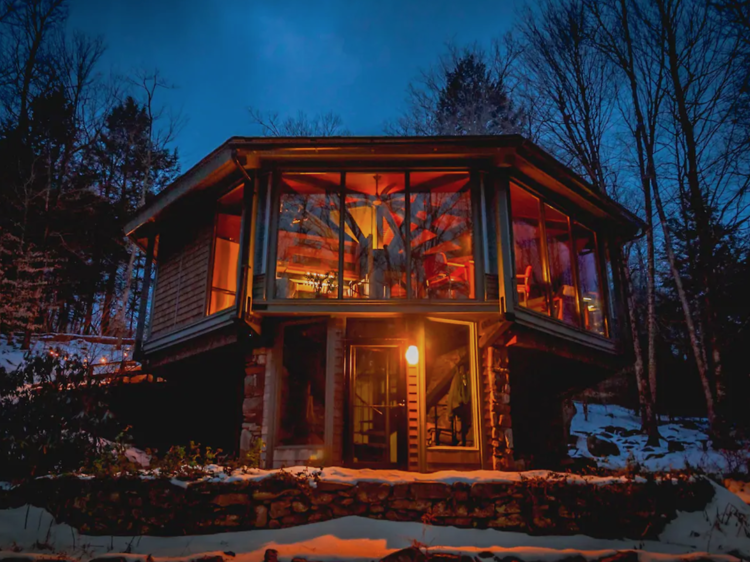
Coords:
pixel 412 355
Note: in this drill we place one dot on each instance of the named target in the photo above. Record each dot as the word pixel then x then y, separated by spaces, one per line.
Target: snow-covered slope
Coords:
pixel 685 442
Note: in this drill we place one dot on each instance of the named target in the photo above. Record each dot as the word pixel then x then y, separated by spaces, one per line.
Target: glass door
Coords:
pixel 377 406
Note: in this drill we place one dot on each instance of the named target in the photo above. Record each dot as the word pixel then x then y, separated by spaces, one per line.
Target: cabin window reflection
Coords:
pixel 303 385
pixel 307 265
pixel 564 300
pixel 374 236
pixel 226 250
pixel 449 411
pixel 531 290
pixel 442 254
pixel 589 283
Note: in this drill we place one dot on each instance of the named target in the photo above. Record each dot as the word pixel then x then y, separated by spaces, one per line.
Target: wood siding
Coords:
pixel 181 286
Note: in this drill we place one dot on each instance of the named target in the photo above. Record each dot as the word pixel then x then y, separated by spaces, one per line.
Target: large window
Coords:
pixel 527 233
pixel 303 385
pixel 226 251
pixel 442 254
pixel 557 268
pixel 564 302
pixel 449 385
pixel 374 236
pixel 308 239
pixel 376 243
pixel 588 279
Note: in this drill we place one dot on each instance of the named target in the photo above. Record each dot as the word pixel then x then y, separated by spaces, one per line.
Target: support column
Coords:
pixel 252 405
pixel 496 375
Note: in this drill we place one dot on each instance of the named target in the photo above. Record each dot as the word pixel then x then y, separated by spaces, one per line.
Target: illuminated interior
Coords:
pixel 527 234
pixel 226 251
pixel 449 414
pixel 442 252
pixel 568 245
pixel 589 283
pixel 370 239
pixel 308 238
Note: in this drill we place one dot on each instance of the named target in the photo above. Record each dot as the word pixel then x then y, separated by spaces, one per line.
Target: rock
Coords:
pixel 507 507
pixel 509 521
pixel 411 505
pixel 401 490
pixel 675 446
pixel 484 511
pixel 411 554
pixel 261 516
pixel 490 490
pixel 300 507
pixel 280 509
pixel 600 447
pixel 371 492
pixel 321 499
pixel 271 555
pixel 225 500
pixel 430 490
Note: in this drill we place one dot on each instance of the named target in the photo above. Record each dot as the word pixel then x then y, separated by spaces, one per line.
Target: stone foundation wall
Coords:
pixel 498 396
pixel 252 405
pixel 537 505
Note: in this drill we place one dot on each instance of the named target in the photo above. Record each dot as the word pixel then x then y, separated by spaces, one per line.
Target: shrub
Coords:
pixel 53 416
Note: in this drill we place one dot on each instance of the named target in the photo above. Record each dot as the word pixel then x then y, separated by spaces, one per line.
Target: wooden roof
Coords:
pixel 509 151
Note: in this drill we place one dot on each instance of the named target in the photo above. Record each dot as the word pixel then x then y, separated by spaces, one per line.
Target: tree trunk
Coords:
pixel 684 302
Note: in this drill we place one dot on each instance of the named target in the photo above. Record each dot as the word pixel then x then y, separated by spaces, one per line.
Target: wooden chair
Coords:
pixel 523 285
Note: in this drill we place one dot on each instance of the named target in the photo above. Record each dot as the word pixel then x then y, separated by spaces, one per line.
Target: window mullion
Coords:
pixel 407 235
pixel 342 210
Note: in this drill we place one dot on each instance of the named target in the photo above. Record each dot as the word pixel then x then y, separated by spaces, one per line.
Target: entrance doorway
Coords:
pixel 377 406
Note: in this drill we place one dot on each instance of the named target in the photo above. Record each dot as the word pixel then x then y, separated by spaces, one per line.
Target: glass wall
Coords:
pixel 375 236
pixel 442 252
pixel 370 237
pixel 226 250
pixel 564 301
pixel 448 385
pixel 302 383
pixel 549 246
pixel 589 283
pixel 307 251
pixel 531 288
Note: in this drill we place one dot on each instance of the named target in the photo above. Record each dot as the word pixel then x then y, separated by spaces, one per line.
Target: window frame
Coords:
pixel 475 395
pixel 212 256
pixel 477 233
pixel 513 306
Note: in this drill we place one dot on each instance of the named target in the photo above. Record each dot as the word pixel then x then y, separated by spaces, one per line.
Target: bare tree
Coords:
pixel 567 88
pixel 160 133
pixel 321 125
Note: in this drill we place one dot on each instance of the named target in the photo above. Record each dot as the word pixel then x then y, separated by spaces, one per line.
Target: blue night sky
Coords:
pixel 352 57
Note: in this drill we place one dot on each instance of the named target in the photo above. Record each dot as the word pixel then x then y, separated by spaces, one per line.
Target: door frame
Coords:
pixel 399 344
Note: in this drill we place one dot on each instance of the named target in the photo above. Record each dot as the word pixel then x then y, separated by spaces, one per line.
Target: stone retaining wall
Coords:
pixel 552 505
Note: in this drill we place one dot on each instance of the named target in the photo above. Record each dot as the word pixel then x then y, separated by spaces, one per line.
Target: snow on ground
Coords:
pixel 622 426
pixel 216 473
pixel 719 530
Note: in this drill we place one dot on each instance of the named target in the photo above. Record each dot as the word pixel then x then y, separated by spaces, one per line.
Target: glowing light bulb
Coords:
pixel 412 355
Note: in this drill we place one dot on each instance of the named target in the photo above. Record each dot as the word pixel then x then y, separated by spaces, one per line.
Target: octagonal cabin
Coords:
pixel 419 303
